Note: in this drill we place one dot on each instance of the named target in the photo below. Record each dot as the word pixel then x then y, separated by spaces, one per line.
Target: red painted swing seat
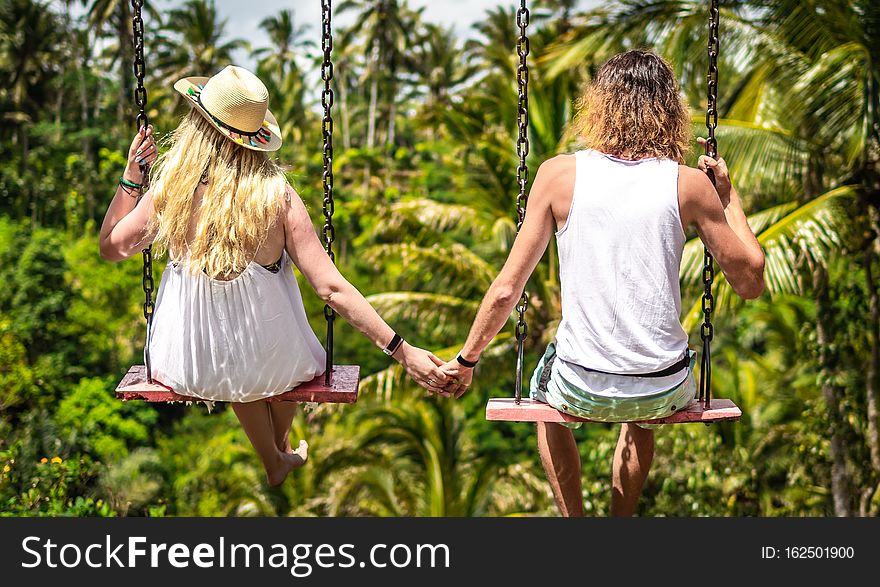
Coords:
pixel 528 410
pixel 343 388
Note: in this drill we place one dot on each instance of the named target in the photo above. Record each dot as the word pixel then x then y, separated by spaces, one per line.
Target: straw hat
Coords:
pixel 237 103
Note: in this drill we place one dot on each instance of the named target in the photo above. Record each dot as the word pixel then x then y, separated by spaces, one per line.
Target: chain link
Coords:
pixel 328 231
pixel 142 121
pixel 707 330
pixel 522 173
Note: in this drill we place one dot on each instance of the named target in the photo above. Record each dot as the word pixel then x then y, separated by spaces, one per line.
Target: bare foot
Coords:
pixel 288 461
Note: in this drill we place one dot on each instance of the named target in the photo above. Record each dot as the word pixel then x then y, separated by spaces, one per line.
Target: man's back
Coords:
pixel 619 254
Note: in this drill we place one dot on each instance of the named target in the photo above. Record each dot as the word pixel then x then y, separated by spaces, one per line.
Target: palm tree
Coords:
pixel 192 42
pixel 117 15
pixel 29 48
pixel 561 11
pixel 387 27
pixel 285 38
pixel 277 67
pixel 417 458
pixel 441 68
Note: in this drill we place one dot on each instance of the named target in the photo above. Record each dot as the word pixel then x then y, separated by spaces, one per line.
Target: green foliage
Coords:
pixel 110 427
pixel 425 170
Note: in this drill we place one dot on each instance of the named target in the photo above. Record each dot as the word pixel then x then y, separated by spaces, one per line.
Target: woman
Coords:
pixel 229 323
pixel 620 210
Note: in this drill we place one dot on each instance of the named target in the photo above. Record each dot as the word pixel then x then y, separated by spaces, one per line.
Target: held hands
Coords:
pixel 459 378
pixel 719 169
pixel 423 367
pixel 142 150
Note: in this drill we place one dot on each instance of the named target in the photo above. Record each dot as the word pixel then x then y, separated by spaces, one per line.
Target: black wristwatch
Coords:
pixel 392 347
pixel 465 363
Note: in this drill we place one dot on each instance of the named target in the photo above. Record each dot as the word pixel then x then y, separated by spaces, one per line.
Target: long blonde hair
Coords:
pixel 633 107
pixel 240 205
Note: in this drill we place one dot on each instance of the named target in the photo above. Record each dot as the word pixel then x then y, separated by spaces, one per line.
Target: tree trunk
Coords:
pixel 392 99
pixel 374 99
pixel 871 386
pixel 389 142
pixel 81 54
pixel 124 61
pixel 342 86
pixel 24 137
pixel 20 137
pixel 371 115
pixel 873 364
pixel 841 486
pixel 392 115
pixel 59 106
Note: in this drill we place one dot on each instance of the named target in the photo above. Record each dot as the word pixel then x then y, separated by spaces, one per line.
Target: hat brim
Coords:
pixel 190 87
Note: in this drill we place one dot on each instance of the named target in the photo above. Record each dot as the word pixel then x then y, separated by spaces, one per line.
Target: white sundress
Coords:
pixel 240 340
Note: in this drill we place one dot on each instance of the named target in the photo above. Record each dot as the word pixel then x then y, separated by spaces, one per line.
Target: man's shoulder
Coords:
pixel 693 183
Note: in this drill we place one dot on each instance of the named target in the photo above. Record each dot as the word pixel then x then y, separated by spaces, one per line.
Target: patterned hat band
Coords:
pixel 262 134
pixel 234 101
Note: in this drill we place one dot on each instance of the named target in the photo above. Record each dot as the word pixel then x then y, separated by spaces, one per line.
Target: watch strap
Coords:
pixel 395 343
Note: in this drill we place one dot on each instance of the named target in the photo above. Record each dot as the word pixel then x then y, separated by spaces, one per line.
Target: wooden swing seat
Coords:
pixel 528 410
pixel 343 388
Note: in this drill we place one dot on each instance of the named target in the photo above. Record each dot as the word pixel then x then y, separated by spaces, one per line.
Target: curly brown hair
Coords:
pixel 633 109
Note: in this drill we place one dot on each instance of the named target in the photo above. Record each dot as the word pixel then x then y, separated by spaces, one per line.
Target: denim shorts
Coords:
pixel 548 386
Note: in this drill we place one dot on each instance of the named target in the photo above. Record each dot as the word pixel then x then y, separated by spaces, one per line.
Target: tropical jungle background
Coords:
pixel 425 186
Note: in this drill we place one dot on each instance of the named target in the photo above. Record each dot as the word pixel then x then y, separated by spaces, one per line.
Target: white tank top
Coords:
pixel 619 256
pixel 239 340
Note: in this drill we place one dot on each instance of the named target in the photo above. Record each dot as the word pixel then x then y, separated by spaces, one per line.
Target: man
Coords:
pixel 620 209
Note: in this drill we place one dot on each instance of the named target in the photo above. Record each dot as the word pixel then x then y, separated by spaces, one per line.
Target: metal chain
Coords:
pixel 522 175
pixel 142 121
pixel 707 330
pixel 329 231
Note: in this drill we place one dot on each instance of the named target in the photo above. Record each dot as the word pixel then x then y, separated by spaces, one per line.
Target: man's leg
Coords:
pixel 632 461
pixel 562 464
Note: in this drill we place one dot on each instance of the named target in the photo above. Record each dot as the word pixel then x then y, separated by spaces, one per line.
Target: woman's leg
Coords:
pixel 632 461
pixel 562 464
pixel 256 420
pixel 282 414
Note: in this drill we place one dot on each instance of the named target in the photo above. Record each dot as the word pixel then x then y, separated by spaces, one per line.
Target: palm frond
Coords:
pixel 437 316
pixel 454 268
pixel 424 213
pixel 692 258
pixel 833 95
pixel 812 231
pixel 764 159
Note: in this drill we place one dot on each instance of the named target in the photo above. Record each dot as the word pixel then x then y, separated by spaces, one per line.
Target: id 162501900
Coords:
pixel 808 552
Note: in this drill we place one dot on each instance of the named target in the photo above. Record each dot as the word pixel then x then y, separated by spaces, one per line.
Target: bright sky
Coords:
pixel 244 16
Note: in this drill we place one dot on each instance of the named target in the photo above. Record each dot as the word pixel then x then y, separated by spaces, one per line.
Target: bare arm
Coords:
pixel 124 230
pixel 554 177
pixel 722 225
pixel 305 250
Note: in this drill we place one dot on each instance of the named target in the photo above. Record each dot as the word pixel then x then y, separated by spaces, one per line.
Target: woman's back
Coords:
pixel 619 255
pixel 229 323
pixel 270 246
